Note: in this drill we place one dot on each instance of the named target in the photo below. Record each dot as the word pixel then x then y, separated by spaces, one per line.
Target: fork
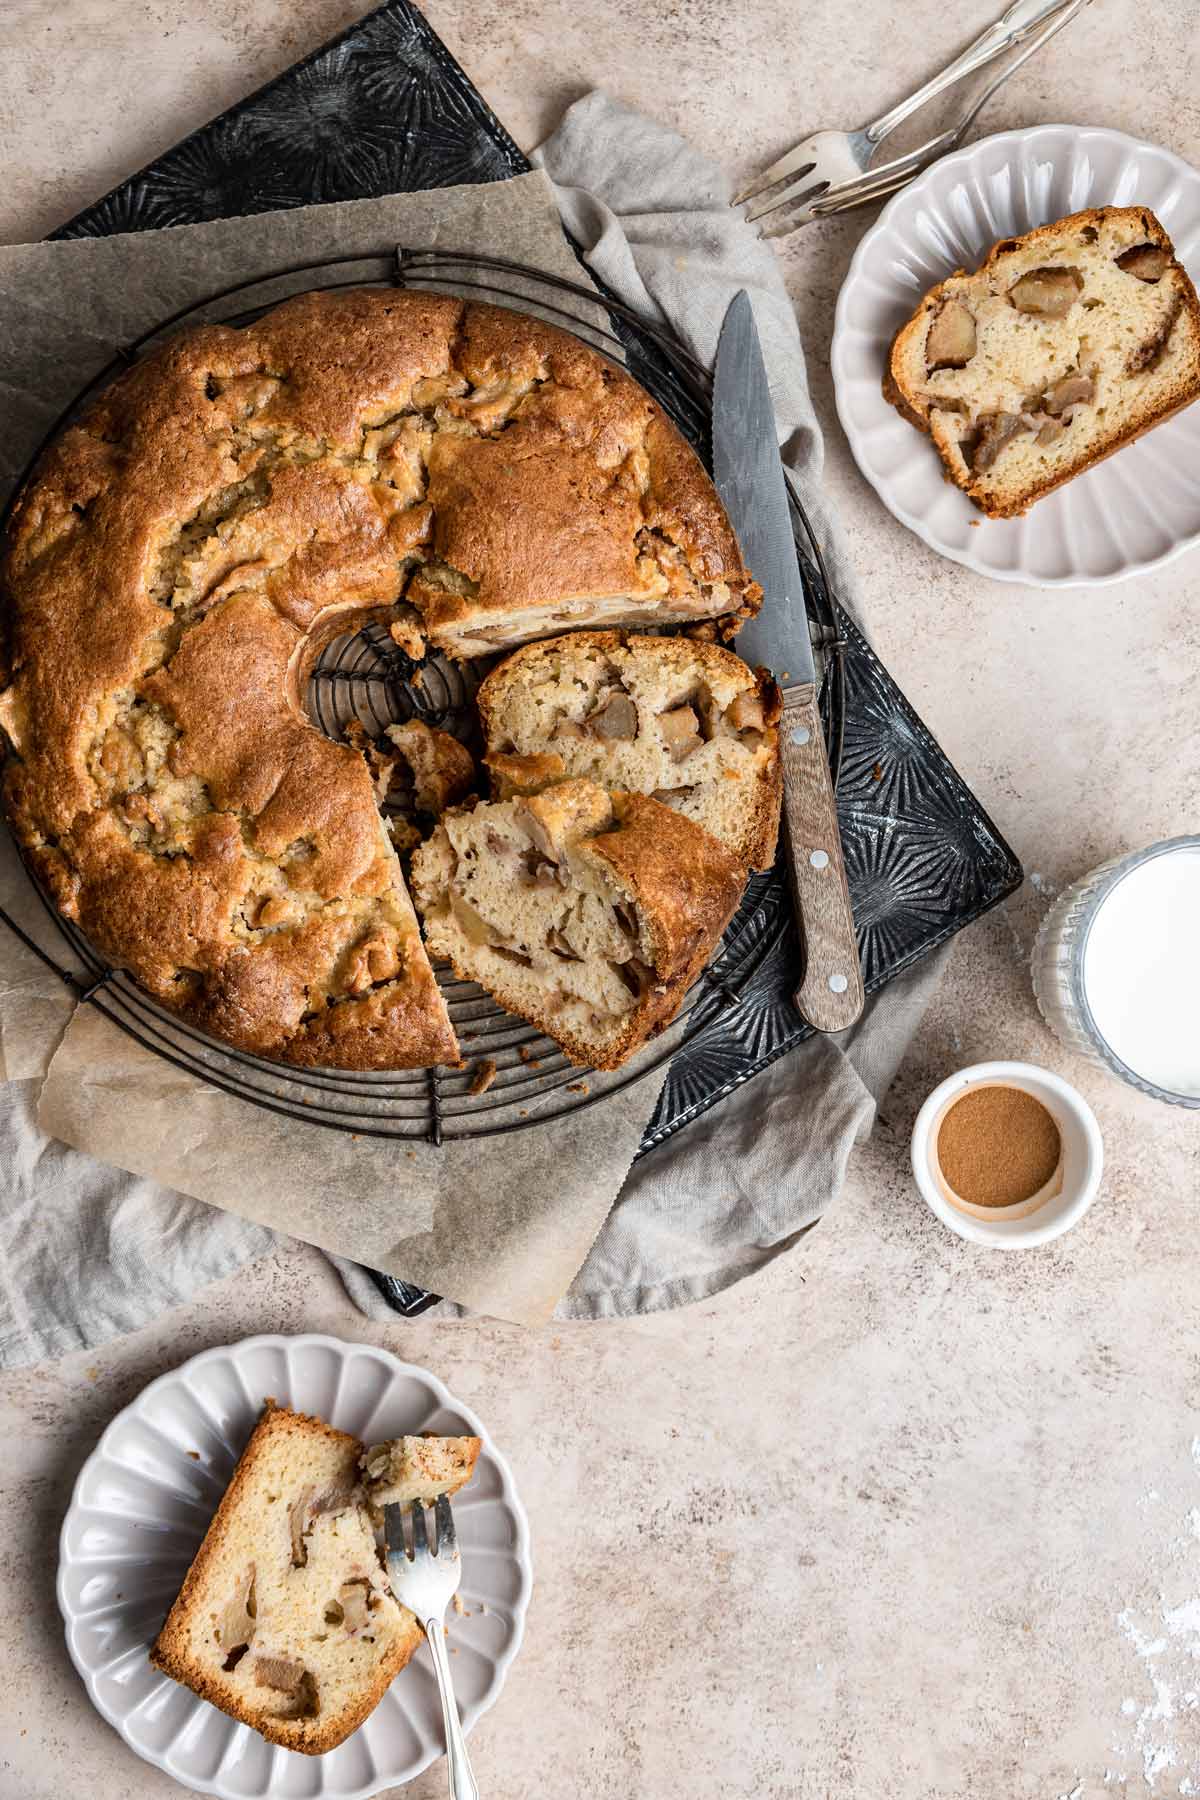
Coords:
pixel 832 168
pixel 426 1581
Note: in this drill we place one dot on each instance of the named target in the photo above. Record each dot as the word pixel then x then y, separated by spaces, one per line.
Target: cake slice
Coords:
pixel 589 914
pixel 1065 345
pixel 417 1468
pixel 687 723
pixel 285 1619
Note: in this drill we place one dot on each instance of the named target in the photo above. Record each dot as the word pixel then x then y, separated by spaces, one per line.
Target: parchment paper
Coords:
pixel 500 1225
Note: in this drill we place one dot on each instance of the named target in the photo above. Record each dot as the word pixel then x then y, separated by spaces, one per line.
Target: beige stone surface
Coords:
pixel 892 1521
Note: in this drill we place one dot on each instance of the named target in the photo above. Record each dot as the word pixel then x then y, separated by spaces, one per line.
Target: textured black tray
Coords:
pixel 386 109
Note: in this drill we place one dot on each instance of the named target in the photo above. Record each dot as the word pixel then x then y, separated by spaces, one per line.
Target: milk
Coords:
pixel 1141 970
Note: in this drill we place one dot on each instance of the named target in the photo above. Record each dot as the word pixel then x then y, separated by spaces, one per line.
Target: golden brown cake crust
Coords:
pixel 689 886
pixel 575 485
pixel 180 549
pixel 170 1652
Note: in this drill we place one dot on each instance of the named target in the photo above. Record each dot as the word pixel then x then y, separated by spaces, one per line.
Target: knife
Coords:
pixel 750 480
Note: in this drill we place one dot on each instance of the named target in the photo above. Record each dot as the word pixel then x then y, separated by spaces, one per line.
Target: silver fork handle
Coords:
pixel 1011 29
pixel 885 178
pixel 458 1764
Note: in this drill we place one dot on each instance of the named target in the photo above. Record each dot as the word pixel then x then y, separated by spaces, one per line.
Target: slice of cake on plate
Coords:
pixel 286 1619
pixel 1065 345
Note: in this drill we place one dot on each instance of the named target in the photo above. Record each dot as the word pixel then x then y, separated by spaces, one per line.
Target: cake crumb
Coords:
pixel 459 1608
pixel 577 1087
pixel 405 633
pixel 527 1057
pixel 974 524
pixel 483 1077
pixel 194 1454
pixel 877 772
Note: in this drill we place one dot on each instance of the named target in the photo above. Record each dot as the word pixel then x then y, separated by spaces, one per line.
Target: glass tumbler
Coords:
pixel 1059 966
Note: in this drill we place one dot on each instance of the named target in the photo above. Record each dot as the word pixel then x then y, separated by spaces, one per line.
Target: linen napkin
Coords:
pixel 743 1182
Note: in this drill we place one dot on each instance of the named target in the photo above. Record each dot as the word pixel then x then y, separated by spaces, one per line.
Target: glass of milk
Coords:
pixel 1116 969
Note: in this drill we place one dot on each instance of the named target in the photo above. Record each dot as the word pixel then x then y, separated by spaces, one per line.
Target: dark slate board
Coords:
pixel 384 109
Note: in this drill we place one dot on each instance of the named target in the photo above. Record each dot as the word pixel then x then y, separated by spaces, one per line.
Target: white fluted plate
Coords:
pixel 143 1501
pixel 1131 513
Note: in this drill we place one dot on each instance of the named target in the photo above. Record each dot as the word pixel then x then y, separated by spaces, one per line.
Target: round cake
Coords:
pixel 184 550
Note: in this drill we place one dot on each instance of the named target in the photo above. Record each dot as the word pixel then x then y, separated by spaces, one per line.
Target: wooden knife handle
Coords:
pixel 830 996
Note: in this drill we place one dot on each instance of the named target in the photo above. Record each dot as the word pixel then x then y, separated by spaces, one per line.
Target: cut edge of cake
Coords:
pixel 626 899
pixel 668 717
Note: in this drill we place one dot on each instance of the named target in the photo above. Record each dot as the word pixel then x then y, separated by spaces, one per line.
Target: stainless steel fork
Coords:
pixel 832 169
pixel 426 1581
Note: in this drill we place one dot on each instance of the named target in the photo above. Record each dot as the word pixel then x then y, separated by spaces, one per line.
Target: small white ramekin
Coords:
pixel 1014 1228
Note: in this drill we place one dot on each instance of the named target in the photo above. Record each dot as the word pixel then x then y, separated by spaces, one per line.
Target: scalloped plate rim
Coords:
pixel 843 381
pixel 345 1347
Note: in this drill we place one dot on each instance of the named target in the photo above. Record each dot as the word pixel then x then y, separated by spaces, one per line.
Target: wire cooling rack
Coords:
pixel 366 676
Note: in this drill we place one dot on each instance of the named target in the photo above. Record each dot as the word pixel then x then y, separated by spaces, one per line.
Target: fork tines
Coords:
pixel 393 1530
pixel 796 161
pixel 447 1536
pixel 397 1539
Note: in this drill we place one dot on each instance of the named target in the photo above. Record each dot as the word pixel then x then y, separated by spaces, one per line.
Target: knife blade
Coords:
pixel 750 480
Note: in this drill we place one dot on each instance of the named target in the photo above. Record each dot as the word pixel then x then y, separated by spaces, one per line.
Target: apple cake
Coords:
pixel 590 914
pixel 286 1619
pixel 183 550
pixel 1065 345
pixel 687 723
